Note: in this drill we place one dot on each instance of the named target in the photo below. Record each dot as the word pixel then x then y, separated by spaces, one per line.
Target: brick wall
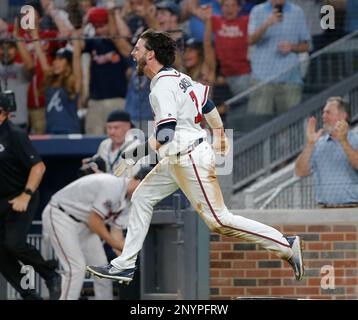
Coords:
pixel 241 269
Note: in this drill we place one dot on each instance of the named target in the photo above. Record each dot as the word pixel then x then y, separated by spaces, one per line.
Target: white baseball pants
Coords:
pixel 75 246
pixel 195 174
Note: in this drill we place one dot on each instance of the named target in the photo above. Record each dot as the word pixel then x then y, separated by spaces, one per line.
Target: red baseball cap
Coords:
pixel 97 15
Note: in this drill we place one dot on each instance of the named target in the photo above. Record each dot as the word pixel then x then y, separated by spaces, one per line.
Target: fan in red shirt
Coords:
pixel 231 44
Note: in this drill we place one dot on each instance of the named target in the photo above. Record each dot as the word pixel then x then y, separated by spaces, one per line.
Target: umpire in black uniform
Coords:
pixel 21 171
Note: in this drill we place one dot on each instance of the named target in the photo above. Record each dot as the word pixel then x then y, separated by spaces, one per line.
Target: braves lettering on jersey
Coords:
pixel 176 97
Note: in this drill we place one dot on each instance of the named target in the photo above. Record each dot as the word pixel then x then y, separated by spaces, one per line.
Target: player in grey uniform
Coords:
pixel 75 222
pixel 188 162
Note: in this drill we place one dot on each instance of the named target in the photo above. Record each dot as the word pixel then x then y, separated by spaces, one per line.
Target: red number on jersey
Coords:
pixel 199 116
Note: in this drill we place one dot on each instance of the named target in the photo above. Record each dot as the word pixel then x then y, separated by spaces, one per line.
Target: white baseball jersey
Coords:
pixel 176 97
pixel 101 192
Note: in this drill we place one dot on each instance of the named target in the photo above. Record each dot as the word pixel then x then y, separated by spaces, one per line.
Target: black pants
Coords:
pixel 14 227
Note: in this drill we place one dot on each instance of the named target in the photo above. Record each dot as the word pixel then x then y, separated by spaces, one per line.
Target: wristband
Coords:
pixel 29 192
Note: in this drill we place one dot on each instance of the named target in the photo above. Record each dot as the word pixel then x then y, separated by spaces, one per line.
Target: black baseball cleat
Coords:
pixel 31 295
pixel 108 271
pixel 54 286
pixel 296 260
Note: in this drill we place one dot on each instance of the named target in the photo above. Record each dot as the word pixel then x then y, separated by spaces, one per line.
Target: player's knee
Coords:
pixel 222 219
pixel 225 217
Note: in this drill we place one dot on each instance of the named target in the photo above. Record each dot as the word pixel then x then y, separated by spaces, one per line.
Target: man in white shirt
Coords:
pixel 119 139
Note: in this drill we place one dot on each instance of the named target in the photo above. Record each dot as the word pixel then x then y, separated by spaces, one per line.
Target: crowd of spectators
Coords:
pixel 75 68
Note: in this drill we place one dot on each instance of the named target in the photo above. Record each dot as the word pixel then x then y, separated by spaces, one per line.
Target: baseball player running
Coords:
pixel 74 221
pixel 188 162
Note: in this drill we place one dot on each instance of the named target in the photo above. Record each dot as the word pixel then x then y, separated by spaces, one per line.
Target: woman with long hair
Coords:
pixel 62 86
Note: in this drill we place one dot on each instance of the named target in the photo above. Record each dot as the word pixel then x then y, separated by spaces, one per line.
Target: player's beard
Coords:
pixel 141 63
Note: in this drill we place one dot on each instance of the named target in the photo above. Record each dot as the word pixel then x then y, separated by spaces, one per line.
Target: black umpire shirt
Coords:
pixel 17 156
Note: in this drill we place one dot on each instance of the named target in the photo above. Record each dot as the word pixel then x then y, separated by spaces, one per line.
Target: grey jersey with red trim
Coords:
pixel 102 192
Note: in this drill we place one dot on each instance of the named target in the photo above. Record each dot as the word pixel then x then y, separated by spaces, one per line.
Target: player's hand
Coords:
pixel 220 144
pixel 311 134
pixel 117 248
pixel 124 165
pixel 341 128
pixel 20 203
pixel 117 252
